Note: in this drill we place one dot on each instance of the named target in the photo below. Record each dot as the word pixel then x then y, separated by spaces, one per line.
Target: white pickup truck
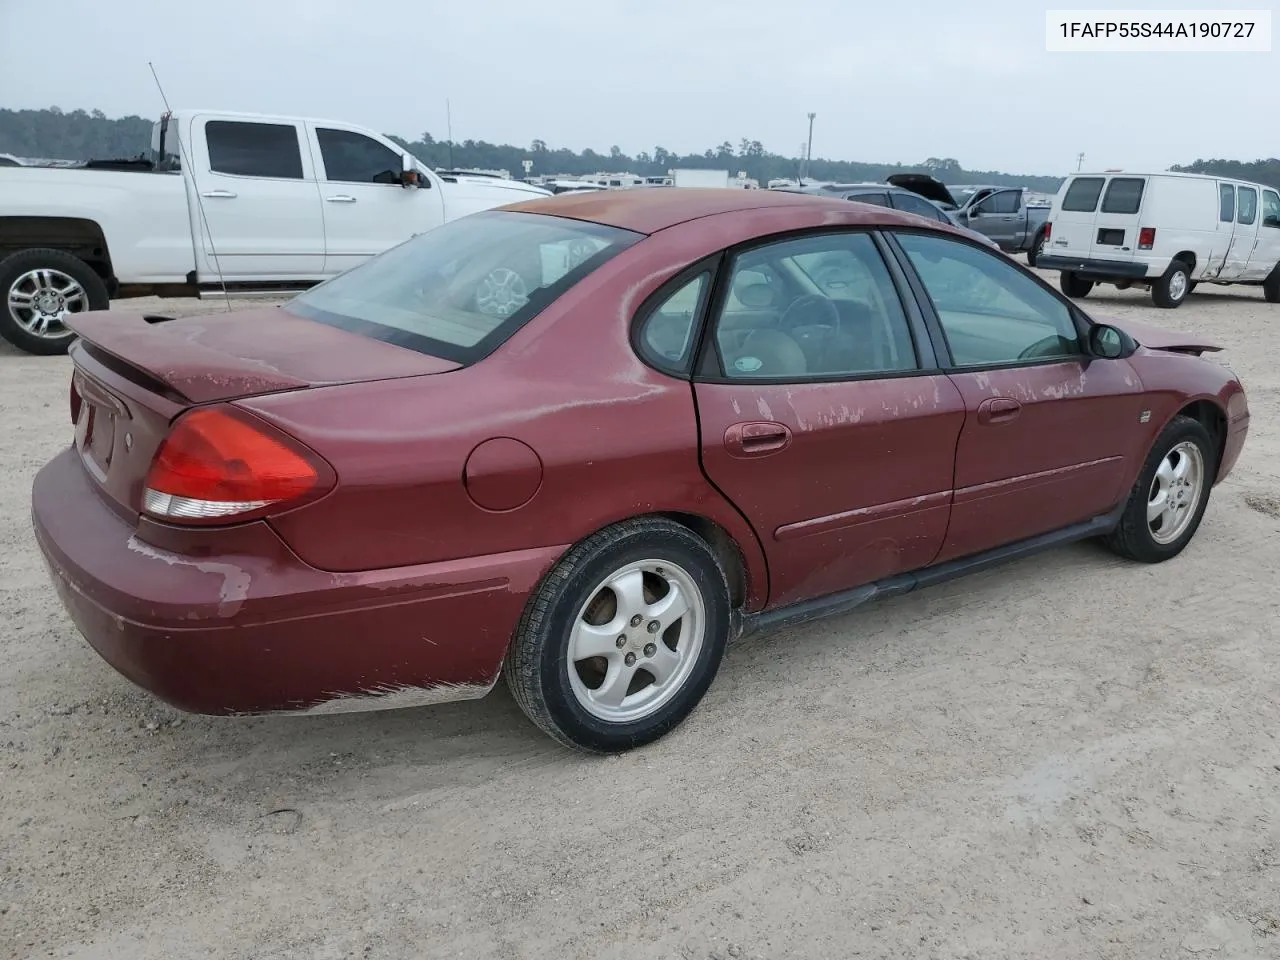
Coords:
pixel 243 202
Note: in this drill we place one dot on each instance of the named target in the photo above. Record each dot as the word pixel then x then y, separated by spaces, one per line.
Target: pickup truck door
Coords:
pixel 1266 251
pixel 1000 216
pixel 366 209
pixel 256 215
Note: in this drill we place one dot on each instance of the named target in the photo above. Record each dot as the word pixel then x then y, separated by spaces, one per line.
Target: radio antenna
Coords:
pixel 189 167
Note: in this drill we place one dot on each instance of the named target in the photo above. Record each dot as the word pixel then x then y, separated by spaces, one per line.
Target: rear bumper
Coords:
pixel 1112 269
pixel 253 629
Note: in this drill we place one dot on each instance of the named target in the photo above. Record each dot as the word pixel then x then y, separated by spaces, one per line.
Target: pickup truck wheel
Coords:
pixel 41 288
pixel 1172 288
pixel 1037 248
pixel 1073 286
pixel 1271 286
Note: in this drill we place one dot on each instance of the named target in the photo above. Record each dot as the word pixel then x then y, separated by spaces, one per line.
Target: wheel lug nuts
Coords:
pixel 631 659
pixel 635 621
pixel 654 626
pixel 658 571
pixel 650 649
pixel 621 642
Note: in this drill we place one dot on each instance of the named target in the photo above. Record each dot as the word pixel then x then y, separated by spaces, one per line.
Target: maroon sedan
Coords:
pixel 585 441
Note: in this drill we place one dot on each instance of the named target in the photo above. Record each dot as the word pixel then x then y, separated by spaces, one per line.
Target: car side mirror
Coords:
pixel 973 212
pixel 408 172
pixel 1110 343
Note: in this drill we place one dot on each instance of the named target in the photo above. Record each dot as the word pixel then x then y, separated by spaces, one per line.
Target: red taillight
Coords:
pixel 1146 238
pixel 75 403
pixel 217 464
pixel 1048 232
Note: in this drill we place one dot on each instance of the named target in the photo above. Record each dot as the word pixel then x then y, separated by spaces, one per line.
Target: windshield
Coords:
pixel 460 290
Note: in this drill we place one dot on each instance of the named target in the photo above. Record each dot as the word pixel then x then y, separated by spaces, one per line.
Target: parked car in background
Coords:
pixel 1164 231
pixel 263 204
pixel 888 195
pixel 1000 213
pixel 587 440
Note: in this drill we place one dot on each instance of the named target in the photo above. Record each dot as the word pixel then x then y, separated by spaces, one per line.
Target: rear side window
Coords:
pixel 459 290
pixel 1124 195
pixel 1226 202
pixel 1082 195
pixel 666 336
pixel 254 149
pixel 910 203
pixel 879 199
pixel 1247 211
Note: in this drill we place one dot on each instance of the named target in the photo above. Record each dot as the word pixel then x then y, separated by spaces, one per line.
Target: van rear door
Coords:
pixel 1115 233
pixel 1073 214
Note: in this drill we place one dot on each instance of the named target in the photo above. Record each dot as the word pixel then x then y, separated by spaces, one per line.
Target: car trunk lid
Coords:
pixel 133 374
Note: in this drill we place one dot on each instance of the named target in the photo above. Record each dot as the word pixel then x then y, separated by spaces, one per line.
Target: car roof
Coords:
pixel 648 211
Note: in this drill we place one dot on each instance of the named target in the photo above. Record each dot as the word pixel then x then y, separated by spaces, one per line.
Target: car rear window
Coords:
pixel 460 290
pixel 1082 195
pixel 1124 195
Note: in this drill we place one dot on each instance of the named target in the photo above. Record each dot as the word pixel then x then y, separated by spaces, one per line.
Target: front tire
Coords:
pixel 39 289
pixel 1073 286
pixel 1173 286
pixel 1169 498
pixel 1271 286
pixel 622 638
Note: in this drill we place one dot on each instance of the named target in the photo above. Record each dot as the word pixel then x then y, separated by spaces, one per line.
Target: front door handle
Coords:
pixel 757 438
pixel 341 198
pixel 219 194
pixel 998 410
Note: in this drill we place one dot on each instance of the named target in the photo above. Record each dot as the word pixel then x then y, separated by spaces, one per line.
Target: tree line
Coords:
pixel 82 135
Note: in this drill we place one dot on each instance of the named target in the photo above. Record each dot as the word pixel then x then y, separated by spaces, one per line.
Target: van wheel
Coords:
pixel 1271 286
pixel 40 289
pixel 1073 286
pixel 1172 288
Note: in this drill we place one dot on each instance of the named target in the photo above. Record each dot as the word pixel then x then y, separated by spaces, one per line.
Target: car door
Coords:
pixel 820 420
pixel 1074 212
pixel 996 215
pixel 1049 433
pixel 1266 249
pixel 366 210
pixel 258 212
pixel 1219 267
pixel 1244 235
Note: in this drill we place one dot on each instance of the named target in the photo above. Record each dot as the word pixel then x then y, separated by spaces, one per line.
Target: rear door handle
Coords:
pixel 341 198
pixel 998 410
pixel 756 438
pixel 219 195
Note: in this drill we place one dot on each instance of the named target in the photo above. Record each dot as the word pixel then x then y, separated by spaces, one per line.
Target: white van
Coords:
pixel 1165 231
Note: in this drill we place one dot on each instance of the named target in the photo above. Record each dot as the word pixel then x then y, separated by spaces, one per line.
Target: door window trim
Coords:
pixel 1079 320
pixel 707 366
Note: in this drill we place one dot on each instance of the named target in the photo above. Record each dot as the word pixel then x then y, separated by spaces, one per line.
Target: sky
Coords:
pixel 888 82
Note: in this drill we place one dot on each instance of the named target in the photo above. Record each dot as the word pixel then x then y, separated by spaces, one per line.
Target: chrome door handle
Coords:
pixel 219 194
pixel 341 198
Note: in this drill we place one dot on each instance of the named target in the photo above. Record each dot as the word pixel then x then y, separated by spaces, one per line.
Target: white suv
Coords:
pixel 1165 231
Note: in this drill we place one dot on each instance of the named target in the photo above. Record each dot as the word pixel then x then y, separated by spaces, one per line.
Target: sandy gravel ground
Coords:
pixel 1070 757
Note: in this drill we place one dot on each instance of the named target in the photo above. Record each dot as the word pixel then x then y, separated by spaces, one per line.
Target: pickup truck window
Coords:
pixel 1004 202
pixel 1247 211
pixel 1226 202
pixel 254 149
pixel 1082 195
pixel 351 157
pixel 1124 195
pixel 458 291
pixel 1270 208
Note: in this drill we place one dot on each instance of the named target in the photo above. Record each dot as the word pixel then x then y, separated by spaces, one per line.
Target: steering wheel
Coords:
pixel 810 310
pixel 1051 346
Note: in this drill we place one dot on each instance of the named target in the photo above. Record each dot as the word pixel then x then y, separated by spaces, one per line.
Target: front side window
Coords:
pixel 991 312
pixel 1082 195
pixel 354 158
pixel 1247 211
pixel 1226 202
pixel 1124 195
pixel 459 290
pixel 254 149
pixel 1005 202
pixel 1270 208
pixel 830 310
pixel 666 334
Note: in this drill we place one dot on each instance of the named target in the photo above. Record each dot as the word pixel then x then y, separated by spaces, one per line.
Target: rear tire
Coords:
pixel 40 287
pixel 1073 286
pixel 1037 248
pixel 595 637
pixel 1169 497
pixel 1171 289
pixel 1271 286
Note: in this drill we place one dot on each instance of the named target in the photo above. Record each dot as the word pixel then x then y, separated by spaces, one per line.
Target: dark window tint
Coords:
pixel 1082 195
pixel 459 290
pixel 813 307
pixel 992 312
pixel 666 337
pixel 1226 202
pixel 879 199
pixel 1247 212
pixel 354 158
pixel 910 203
pixel 1124 195
pixel 1005 202
pixel 1270 208
pixel 254 149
